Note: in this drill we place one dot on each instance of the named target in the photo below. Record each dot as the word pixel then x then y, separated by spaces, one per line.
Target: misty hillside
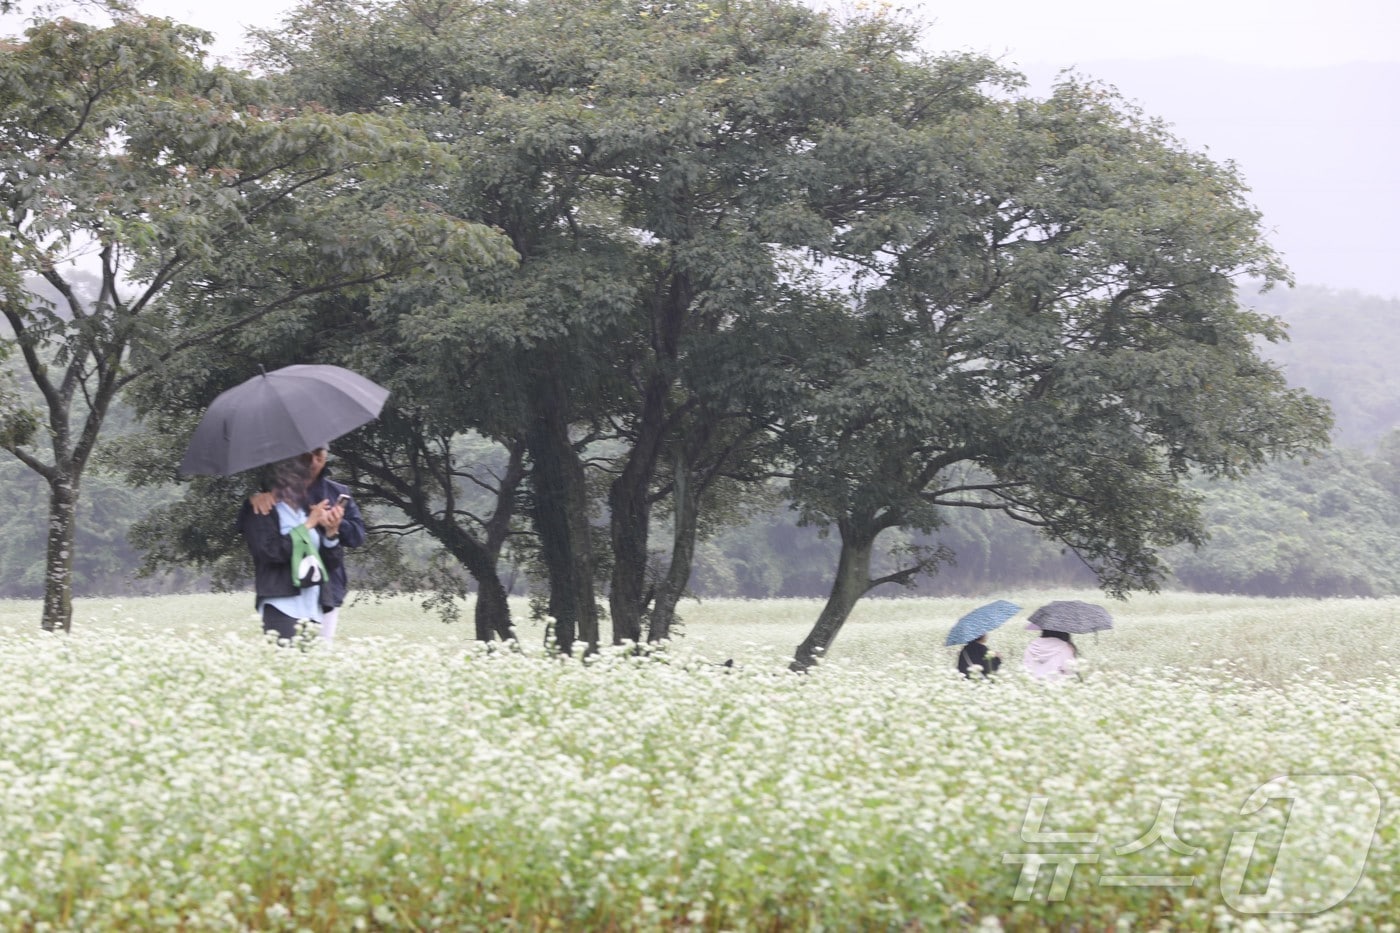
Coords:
pixel 1340 348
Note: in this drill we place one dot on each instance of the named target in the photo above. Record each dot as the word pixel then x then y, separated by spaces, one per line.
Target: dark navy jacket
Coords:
pixel 974 655
pixel 272 554
pixel 352 534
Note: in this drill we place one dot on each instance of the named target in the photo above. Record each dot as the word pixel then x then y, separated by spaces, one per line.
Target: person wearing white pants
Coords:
pixel 345 526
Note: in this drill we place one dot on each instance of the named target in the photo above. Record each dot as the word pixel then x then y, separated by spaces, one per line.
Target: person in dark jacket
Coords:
pixel 294 548
pixel 348 523
pixel 975 655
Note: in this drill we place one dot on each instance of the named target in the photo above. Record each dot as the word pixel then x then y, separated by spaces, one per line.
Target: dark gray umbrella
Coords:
pixel 1072 616
pixel 278 415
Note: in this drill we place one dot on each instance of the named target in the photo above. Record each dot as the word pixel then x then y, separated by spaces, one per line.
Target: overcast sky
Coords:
pixel 1301 94
pixel 1060 32
pixel 1256 32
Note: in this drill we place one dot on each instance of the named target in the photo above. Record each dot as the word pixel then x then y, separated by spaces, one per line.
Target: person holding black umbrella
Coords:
pixel 276 418
pixel 295 546
pixel 348 528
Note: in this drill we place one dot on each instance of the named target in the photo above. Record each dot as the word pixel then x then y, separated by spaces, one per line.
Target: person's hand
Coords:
pixel 334 515
pixel 262 502
pixel 316 514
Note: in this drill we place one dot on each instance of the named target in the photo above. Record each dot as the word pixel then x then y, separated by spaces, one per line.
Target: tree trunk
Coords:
pixel 851 583
pixel 687 509
pixel 561 520
pixel 492 601
pixel 58 561
pixel 629 498
pixel 630 518
pixel 492 614
pixel 492 609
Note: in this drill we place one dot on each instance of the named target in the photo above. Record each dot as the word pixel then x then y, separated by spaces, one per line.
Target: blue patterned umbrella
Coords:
pixel 980 621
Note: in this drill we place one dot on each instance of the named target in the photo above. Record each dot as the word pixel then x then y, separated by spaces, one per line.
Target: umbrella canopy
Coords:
pixel 1072 616
pixel 980 621
pixel 280 414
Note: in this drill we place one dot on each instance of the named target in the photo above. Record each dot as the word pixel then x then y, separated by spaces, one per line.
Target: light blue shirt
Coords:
pixel 307 603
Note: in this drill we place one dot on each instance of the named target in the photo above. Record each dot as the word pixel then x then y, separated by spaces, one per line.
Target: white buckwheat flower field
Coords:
pixel 1221 763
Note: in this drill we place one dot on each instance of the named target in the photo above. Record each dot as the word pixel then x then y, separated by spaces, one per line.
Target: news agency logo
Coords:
pixel 1328 825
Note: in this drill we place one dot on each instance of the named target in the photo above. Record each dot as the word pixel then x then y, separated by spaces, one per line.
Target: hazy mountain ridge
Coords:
pixel 1340 348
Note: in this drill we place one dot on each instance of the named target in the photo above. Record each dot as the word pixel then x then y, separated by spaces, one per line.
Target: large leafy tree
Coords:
pixel 747 224
pixel 1052 333
pixel 661 169
pixel 201 205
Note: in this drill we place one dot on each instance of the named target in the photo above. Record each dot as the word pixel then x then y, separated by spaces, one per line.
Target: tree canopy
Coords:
pixel 200 204
pixel 1052 333
pixel 754 243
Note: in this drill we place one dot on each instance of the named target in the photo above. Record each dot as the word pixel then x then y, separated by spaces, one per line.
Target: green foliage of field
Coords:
pixel 165 767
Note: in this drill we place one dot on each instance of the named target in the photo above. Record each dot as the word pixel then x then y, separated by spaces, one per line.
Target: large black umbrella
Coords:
pixel 280 414
pixel 1073 616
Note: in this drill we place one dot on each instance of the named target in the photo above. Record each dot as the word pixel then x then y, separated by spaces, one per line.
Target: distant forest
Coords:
pixel 1328 526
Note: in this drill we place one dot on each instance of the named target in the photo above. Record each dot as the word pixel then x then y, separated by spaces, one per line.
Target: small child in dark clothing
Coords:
pixel 974 654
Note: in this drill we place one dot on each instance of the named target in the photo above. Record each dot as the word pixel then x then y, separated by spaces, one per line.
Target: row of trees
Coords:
pixel 663 258
pixel 1321 527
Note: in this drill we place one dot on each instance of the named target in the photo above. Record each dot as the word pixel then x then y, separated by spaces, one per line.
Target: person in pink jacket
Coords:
pixel 1051 656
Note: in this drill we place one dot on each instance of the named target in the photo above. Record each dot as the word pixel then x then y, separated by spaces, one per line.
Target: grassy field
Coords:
pixel 1269 640
pixel 1225 763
